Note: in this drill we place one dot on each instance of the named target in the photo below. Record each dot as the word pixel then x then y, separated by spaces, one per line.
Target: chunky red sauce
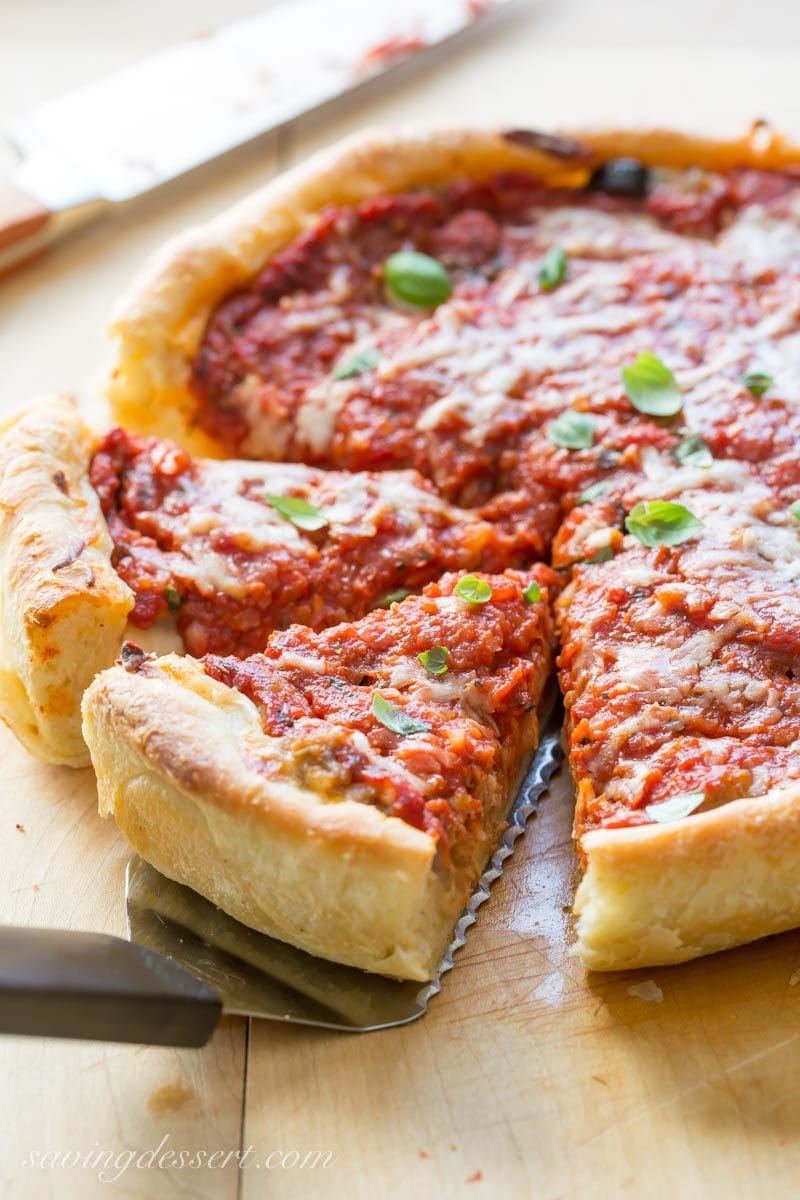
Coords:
pixel 678 664
pixel 315 690
pixel 665 283
pixel 199 539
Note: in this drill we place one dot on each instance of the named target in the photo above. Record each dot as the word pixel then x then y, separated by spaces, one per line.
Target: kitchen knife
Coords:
pixel 187 962
pixel 115 139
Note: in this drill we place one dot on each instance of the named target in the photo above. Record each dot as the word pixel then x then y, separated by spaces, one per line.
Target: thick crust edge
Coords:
pixel 64 608
pixel 175 753
pixel 157 326
pixel 653 895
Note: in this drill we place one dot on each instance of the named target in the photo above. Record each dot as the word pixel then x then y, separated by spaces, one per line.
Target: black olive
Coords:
pixel 622 177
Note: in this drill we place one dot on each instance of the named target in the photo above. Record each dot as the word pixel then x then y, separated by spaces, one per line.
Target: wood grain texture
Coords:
pixel 545 1082
pixel 64 867
pixel 548 1083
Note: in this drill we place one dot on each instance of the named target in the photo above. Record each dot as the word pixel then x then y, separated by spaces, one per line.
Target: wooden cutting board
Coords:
pixel 526 1074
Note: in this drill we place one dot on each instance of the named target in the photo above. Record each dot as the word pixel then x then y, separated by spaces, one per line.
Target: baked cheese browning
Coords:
pixel 426 710
pixel 238 549
pixel 466 393
pixel 681 663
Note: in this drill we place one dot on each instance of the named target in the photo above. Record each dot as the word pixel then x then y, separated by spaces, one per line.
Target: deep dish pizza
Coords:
pixel 341 790
pixel 587 350
pixel 99 532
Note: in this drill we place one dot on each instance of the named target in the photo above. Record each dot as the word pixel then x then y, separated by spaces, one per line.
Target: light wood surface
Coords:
pixel 525 1075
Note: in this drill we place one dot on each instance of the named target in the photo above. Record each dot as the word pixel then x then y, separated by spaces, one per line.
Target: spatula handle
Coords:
pixel 61 983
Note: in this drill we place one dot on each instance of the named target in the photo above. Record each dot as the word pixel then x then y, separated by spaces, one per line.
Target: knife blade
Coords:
pixel 115 139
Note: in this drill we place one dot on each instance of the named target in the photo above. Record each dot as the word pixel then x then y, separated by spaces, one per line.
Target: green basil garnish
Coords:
pixel 651 387
pixel 417 279
pixel 662 523
pixel 393 598
pixel 299 512
pixel 434 660
pixel 692 451
pixel 676 807
pixel 356 364
pixel 532 593
pixel 572 430
pixel 756 382
pixel 553 269
pixel 173 597
pixel 395 719
pixel 594 491
pixel 604 554
pixel 794 509
pixel 473 590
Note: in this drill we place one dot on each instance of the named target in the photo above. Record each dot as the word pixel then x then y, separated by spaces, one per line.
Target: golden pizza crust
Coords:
pixel 175 754
pixel 658 894
pixel 64 608
pixel 650 895
pixel 158 325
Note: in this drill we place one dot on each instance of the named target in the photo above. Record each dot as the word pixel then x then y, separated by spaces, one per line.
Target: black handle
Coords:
pixel 61 983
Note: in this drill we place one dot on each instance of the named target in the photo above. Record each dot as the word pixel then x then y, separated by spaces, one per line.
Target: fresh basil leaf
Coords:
pixel 553 269
pixel 356 364
pixel 794 509
pixel 393 598
pixel 435 660
pixel 299 512
pixel 692 451
pixel 173 597
pixel 417 279
pixel 756 382
pixel 604 554
pixel 395 719
pixel 651 387
pixel 594 491
pixel 662 523
pixel 676 807
pixel 473 590
pixel 532 593
pixel 572 430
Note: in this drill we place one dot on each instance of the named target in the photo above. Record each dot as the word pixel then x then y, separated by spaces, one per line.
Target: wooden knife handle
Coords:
pixel 22 217
pixel 61 983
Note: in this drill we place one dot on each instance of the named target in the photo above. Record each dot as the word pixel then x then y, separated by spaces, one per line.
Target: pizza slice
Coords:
pixel 343 789
pixel 96 532
pixel 679 666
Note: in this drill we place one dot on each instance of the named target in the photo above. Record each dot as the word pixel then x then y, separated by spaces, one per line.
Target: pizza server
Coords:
pixel 187 962
pixel 95 149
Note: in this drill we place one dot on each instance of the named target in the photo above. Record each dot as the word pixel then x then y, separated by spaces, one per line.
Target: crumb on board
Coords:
pixel 649 990
pixel 475 1177
pixel 794 978
pixel 20 827
pixel 169 1097
pixel 423 1154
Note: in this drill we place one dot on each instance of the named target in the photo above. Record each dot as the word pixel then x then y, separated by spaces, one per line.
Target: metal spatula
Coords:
pixel 187 962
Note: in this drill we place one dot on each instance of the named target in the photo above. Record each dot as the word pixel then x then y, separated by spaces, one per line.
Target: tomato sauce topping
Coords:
pixel 201 539
pixel 678 661
pixel 316 692
pixel 465 393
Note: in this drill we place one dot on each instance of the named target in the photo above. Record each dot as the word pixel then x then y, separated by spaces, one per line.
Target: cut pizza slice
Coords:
pixel 96 532
pixel 343 789
pixel 679 666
